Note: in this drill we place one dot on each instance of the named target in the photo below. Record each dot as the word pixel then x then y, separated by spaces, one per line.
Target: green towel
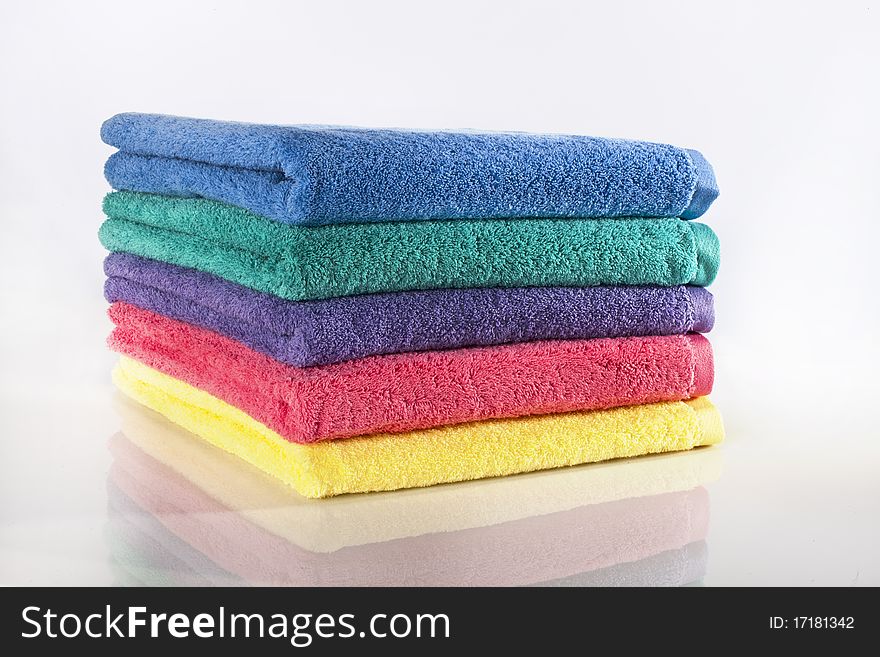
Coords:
pixel 298 263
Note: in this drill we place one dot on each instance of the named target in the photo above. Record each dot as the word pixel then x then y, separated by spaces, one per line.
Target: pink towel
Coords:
pixel 404 392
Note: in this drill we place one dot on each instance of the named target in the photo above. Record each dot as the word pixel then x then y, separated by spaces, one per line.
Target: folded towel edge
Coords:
pixel 705 187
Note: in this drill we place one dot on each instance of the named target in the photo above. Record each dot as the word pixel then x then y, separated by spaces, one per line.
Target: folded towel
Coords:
pixel 321 174
pixel 300 263
pixel 305 333
pixel 154 449
pixel 524 551
pixel 679 567
pixel 402 392
pixel 422 458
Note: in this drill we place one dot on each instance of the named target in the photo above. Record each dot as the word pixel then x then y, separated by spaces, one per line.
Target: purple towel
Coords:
pixel 305 333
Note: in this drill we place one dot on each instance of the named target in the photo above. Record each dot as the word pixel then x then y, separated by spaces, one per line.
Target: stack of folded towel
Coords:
pixel 355 310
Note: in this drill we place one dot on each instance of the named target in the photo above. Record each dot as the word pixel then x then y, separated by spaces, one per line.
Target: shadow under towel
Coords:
pixel 301 263
pixel 315 175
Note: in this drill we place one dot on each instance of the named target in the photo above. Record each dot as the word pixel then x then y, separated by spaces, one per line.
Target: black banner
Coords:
pixel 433 620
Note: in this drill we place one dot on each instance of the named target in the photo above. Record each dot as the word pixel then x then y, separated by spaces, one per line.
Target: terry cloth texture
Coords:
pixel 301 263
pixel 422 458
pixel 403 392
pixel 150 445
pixel 304 333
pixel 514 553
pixel 321 175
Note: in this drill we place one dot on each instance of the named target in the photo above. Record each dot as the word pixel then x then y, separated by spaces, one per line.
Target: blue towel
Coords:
pixel 315 175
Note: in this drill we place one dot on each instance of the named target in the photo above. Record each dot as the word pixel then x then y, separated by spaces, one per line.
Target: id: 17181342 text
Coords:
pixel 813 623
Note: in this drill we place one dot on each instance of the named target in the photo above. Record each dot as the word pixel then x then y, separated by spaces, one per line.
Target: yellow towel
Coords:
pixel 422 458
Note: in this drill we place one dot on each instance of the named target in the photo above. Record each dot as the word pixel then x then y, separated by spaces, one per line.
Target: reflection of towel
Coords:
pixel 331 261
pixel 524 551
pixel 402 392
pixel 683 567
pixel 324 174
pixel 305 333
pixel 421 458
pixel 139 543
pixel 153 447
pixel 679 567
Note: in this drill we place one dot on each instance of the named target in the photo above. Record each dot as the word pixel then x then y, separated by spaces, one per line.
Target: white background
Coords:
pixel 782 97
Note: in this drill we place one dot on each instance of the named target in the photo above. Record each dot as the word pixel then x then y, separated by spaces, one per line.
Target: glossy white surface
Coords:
pixel 781 97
